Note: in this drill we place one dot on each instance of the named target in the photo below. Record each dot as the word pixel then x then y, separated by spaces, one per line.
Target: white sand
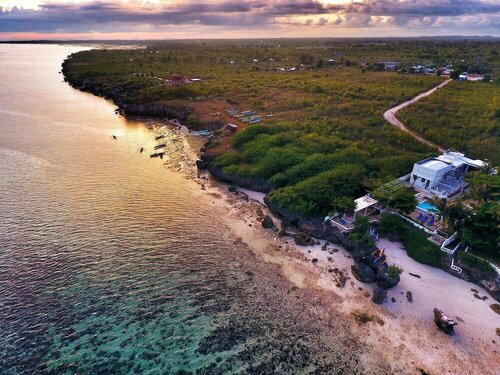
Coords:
pixel 436 288
pixel 255 195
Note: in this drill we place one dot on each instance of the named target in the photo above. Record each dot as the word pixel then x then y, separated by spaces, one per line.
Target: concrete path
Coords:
pixel 390 115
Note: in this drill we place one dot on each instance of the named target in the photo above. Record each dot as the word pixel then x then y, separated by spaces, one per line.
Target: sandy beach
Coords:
pixel 403 331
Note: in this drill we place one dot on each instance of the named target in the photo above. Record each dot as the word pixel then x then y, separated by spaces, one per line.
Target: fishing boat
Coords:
pixel 162 145
pixel 160 136
pixel 157 154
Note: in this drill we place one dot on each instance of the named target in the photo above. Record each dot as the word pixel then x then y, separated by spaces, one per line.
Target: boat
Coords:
pixel 157 154
pixel 162 145
pixel 160 136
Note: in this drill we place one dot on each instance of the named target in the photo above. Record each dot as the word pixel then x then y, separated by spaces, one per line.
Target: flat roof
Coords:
pixel 434 164
pixel 458 159
pixel 364 202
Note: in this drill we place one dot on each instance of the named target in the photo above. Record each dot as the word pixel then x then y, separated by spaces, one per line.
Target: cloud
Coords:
pixel 122 15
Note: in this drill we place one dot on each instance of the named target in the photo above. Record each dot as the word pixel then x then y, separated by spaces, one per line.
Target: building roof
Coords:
pixel 457 159
pixel 434 164
pixel 364 202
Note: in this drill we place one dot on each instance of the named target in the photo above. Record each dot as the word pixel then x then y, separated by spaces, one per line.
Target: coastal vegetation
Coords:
pixel 473 261
pixel 464 116
pixel 322 141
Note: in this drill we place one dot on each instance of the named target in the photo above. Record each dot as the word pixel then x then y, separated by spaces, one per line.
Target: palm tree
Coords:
pixel 441 205
pixel 456 214
pixel 483 186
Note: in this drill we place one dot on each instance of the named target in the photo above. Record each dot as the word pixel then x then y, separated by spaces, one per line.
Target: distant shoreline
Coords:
pixel 135 41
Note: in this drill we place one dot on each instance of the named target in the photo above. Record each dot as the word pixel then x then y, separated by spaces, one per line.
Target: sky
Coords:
pixel 205 19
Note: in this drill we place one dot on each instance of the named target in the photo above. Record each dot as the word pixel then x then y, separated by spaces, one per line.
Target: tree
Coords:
pixel 456 214
pixel 480 229
pixel 403 200
pixel 441 205
pixel 398 197
pixel 455 74
pixel 361 225
pixel 359 235
pixel 483 187
pixel 343 204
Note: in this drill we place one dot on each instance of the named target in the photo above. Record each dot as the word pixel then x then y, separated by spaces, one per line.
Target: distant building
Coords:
pixel 389 65
pixel 443 176
pixel 176 79
pixel 475 77
pixel 470 77
pixel 445 71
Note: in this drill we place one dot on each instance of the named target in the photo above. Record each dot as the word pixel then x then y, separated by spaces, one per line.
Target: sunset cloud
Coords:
pixel 313 16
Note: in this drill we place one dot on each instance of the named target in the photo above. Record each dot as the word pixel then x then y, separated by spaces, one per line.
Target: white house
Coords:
pixel 443 176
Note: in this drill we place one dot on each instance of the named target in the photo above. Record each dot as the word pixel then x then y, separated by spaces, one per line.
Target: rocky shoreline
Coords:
pixel 306 231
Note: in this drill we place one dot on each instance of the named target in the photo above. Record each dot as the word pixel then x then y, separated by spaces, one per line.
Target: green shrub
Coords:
pixel 420 248
pixel 475 262
pixel 391 226
pixel 317 194
pixel 394 270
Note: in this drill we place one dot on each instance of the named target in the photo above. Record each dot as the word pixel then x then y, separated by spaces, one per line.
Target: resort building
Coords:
pixel 443 176
pixel 364 206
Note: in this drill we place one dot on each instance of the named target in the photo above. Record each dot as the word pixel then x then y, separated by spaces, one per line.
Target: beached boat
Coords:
pixel 157 154
pixel 162 145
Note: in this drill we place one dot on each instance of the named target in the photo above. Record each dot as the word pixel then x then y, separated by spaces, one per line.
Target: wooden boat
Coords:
pixel 157 154
pixel 160 136
pixel 162 145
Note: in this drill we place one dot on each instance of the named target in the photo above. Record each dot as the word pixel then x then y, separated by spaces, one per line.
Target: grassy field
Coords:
pixel 326 139
pixel 463 115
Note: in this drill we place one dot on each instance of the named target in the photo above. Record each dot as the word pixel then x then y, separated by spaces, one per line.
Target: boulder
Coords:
pixel 300 239
pixel 283 233
pixel 385 281
pixel 409 296
pixel 332 234
pixel 363 273
pixel 379 295
pixel 267 222
pixel 201 164
pixel 444 322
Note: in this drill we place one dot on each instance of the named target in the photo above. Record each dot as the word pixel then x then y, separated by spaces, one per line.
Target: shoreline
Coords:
pixel 408 337
pixel 404 331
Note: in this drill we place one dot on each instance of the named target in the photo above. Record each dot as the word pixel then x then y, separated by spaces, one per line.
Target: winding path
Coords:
pixel 390 115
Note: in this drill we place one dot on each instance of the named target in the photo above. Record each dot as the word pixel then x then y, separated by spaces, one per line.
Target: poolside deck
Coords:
pixel 437 225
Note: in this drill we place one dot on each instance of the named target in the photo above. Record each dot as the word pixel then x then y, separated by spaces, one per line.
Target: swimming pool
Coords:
pixel 427 207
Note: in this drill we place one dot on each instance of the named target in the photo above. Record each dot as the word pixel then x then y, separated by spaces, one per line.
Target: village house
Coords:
pixel 389 65
pixel 444 71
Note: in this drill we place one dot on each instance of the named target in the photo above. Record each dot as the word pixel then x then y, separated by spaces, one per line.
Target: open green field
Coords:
pixel 463 115
pixel 327 140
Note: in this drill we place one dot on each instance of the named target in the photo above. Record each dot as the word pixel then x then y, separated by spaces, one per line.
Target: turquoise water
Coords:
pixel 110 265
pixel 428 207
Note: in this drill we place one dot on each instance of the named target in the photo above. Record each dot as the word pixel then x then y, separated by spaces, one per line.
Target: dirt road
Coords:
pixel 390 115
